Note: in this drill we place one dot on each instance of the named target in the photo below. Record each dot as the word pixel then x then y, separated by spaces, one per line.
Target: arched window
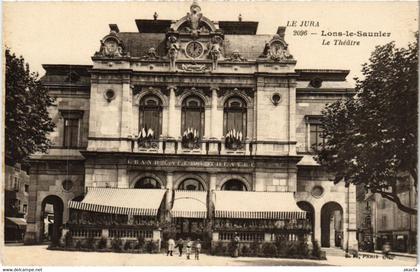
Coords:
pixel 150 116
pixel 234 185
pixel 191 185
pixel 234 118
pixel 147 183
pixel 193 115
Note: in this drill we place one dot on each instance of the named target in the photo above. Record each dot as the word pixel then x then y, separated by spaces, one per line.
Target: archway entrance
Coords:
pixel 51 218
pixel 147 183
pixel 234 185
pixel 332 225
pixel 310 214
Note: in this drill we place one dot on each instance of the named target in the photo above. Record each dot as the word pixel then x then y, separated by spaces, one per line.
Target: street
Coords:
pixel 39 256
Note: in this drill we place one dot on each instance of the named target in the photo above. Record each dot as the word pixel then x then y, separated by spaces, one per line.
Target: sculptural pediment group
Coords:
pixel 193 41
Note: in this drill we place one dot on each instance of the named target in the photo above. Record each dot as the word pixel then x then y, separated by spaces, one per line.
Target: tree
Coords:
pixel 27 121
pixel 371 138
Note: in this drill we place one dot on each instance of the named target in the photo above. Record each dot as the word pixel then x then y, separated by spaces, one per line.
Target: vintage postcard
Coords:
pixel 203 133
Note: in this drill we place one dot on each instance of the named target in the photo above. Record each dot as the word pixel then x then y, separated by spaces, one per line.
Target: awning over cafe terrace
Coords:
pixel 144 202
pixel 190 204
pixel 256 205
pixel 16 223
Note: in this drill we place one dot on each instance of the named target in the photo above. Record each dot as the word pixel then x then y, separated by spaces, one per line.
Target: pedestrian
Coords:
pixel 235 241
pixel 189 246
pixel 180 246
pixel 197 248
pixel 171 246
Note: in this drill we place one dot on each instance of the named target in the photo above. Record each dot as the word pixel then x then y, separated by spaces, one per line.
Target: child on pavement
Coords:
pixel 189 246
pixel 197 248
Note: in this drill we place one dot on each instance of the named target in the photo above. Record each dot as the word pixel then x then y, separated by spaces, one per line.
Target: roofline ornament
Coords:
pixel 276 49
pixel 111 46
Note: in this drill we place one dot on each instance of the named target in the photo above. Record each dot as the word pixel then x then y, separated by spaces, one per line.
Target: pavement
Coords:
pixel 38 255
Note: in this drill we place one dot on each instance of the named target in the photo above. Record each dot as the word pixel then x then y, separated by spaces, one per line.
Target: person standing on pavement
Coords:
pixel 180 246
pixel 197 248
pixel 235 246
pixel 189 246
pixel 171 246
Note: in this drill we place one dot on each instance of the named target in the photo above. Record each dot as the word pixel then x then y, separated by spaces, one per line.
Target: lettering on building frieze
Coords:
pixel 188 163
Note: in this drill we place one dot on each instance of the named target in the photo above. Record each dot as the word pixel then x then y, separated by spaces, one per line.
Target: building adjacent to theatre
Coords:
pixel 202 124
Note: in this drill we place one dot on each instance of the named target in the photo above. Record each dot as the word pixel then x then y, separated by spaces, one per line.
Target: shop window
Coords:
pixel 147 183
pixel 191 185
pixel 234 117
pixel 150 117
pixel 234 185
pixel 71 137
pixel 192 117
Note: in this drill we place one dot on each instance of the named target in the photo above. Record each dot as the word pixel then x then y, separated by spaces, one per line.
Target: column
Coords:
pixel 317 224
pixel 212 188
pixel 210 206
pixel 171 112
pixel 33 233
pixel 352 243
pixel 214 143
pixel 169 188
pixel 214 123
pixel 292 119
pixel 172 121
pixel 122 177
pixel 126 115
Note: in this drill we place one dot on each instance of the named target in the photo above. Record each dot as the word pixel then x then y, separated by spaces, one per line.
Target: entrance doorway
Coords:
pixel 51 218
pixel 332 225
pixel 193 228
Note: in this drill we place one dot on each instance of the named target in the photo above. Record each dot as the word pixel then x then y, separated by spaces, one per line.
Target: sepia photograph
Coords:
pixel 208 133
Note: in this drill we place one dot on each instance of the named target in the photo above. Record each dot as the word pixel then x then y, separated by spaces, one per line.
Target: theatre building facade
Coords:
pixel 190 128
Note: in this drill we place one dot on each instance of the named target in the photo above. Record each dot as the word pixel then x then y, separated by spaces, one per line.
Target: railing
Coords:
pixel 243 236
pixel 86 232
pixel 175 146
pixel 130 233
pixel 204 146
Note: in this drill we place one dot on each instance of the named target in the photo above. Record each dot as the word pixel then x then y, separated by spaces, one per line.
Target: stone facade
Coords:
pixel 210 64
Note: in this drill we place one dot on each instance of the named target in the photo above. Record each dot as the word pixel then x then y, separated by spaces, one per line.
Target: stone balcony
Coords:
pixel 205 146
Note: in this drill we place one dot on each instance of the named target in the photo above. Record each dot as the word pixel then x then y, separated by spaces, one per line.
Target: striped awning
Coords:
pixel 256 205
pixel 190 204
pixel 121 201
pixel 15 222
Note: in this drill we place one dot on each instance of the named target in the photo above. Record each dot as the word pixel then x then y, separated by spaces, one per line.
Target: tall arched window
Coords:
pixel 234 185
pixel 147 183
pixel 235 116
pixel 191 185
pixel 151 115
pixel 193 115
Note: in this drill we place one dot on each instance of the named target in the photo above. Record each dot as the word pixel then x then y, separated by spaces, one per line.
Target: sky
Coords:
pixel 69 32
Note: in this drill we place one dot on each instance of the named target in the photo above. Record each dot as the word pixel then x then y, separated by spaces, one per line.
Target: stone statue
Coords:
pixel 173 49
